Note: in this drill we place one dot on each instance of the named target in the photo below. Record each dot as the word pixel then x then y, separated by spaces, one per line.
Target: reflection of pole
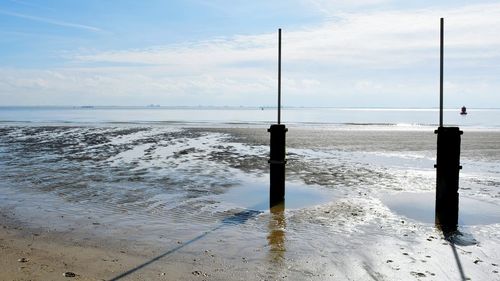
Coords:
pixel 277 156
pixel 447 163
pixel 276 237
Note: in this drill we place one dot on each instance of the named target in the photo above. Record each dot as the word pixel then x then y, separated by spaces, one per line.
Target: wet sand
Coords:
pixel 153 203
pixel 360 244
pixel 28 255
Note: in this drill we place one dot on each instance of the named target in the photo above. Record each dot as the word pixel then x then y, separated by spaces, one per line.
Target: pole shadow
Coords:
pixel 459 263
pixel 457 238
pixel 236 219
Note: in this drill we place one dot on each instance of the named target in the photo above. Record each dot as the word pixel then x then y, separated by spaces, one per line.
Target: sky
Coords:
pixel 337 53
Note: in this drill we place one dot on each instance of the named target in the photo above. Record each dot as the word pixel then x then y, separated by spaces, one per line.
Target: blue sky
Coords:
pixel 213 52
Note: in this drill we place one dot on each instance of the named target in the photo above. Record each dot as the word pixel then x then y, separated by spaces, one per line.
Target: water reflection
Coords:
pixel 276 237
pixel 420 207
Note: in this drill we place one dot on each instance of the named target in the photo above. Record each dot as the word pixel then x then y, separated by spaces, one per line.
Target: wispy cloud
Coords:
pixel 30 4
pixel 50 21
pixel 332 7
pixel 374 58
pixel 385 39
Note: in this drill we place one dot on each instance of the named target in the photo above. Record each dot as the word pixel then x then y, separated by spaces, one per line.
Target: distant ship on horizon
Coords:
pixel 463 111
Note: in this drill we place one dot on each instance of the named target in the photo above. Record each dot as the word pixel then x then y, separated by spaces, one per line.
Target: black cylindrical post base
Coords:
pixel 447 174
pixel 277 164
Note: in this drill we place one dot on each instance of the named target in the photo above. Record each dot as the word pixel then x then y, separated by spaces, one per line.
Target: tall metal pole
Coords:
pixel 277 159
pixel 279 76
pixel 447 164
pixel 441 75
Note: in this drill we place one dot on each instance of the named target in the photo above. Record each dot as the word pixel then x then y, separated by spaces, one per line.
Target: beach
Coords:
pixel 148 201
pixel 251 140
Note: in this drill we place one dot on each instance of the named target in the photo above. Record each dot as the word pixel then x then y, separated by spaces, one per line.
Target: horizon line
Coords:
pixel 153 106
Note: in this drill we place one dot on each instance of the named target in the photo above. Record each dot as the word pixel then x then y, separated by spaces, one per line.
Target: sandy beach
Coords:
pixel 172 203
pixel 38 255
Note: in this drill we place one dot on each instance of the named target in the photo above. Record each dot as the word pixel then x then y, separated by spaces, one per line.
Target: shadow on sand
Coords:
pixel 238 218
pixel 457 238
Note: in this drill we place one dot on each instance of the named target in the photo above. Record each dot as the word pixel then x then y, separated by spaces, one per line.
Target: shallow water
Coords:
pixel 255 195
pixel 420 207
pixel 162 170
pixel 146 186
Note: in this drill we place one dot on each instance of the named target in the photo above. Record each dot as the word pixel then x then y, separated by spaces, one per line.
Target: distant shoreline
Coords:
pixel 321 117
pixel 232 107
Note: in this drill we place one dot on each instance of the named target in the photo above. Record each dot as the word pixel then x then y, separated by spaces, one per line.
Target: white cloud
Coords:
pixel 344 59
pixel 332 7
pixel 389 38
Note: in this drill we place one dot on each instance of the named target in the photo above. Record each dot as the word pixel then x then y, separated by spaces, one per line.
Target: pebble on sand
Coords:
pixel 199 273
pixel 69 274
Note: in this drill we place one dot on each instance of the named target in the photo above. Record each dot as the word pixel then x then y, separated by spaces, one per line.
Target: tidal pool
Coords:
pixel 253 194
pixel 420 207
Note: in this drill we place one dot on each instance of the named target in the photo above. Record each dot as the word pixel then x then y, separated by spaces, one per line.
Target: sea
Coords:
pixel 177 182
pixel 330 117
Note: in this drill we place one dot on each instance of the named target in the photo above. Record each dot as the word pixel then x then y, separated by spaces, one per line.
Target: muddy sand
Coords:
pixel 155 203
